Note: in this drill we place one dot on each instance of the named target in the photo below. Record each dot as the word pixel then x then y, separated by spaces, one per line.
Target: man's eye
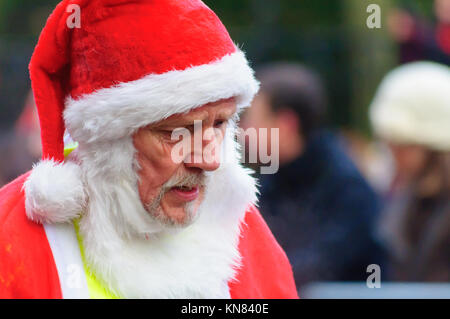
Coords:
pixel 220 123
pixel 167 134
pixel 176 134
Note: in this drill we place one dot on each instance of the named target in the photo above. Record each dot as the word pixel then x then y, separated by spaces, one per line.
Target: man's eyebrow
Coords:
pixel 182 122
pixel 227 112
pixel 201 116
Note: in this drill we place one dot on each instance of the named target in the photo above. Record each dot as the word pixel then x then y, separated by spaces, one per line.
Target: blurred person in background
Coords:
pixel 411 113
pixel 318 205
pixel 20 147
pixel 27 127
pixel 418 39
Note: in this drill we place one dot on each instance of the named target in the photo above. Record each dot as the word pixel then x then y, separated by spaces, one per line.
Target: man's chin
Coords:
pixel 176 217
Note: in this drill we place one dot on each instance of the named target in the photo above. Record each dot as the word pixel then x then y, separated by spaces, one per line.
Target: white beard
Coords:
pixel 134 256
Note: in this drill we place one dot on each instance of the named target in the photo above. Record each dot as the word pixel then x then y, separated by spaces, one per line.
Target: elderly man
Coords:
pixel 120 216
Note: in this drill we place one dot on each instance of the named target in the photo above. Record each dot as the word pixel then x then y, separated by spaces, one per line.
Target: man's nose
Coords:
pixel 206 155
pixel 207 166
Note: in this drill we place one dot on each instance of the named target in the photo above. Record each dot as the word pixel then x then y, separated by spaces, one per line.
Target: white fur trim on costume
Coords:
pixel 118 111
pixel 66 254
pixel 54 192
pixel 197 261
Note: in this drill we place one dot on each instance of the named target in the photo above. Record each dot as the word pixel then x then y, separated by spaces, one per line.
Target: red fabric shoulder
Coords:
pixel 27 269
pixel 266 271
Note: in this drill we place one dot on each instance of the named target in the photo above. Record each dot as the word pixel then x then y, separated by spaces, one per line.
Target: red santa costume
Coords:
pixel 126 65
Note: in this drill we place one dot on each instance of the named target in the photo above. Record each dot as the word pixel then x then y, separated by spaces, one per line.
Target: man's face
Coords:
pixel 410 160
pixel 259 115
pixel 172 191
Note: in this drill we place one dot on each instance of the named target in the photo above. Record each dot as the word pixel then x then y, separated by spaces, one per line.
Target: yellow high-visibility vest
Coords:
pixel 95 287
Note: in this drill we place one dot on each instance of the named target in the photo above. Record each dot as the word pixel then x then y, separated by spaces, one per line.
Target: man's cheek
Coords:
pixel 211 152
pixel 147 193
pixel 152 175
pixel 160 156
pixel 180 146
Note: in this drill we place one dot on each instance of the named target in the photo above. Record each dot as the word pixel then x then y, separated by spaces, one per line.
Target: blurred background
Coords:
pixel 351 191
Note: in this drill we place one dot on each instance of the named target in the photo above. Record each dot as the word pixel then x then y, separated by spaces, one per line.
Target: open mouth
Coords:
pixel 186 193
pixel 184 188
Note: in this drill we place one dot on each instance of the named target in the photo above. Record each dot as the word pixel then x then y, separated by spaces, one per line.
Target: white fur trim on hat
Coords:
pixel 412 106
pixel 115 112
pixel 54 192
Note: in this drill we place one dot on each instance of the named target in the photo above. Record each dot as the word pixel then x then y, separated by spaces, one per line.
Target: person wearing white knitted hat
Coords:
pixel 411 112
pixel 412 106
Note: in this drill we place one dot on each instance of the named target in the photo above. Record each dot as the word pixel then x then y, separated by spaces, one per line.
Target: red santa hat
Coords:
pixel 118 66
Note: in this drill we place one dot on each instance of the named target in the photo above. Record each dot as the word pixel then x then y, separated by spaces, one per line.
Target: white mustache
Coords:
pixel 186 180
pixel 179 180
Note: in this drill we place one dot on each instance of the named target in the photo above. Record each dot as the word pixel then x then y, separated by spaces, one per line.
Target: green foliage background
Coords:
pixel 328 35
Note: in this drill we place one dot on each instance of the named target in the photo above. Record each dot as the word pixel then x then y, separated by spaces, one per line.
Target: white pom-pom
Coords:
pixel 54 192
